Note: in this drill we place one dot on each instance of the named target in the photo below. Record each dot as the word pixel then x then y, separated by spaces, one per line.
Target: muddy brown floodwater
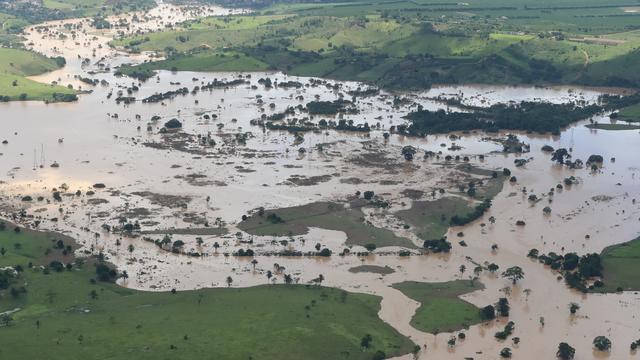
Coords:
pixel 173 181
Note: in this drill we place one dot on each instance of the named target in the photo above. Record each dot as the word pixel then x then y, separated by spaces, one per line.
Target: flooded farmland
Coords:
pixel 113 163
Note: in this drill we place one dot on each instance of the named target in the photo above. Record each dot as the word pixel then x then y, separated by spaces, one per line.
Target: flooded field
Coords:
pixel 89 169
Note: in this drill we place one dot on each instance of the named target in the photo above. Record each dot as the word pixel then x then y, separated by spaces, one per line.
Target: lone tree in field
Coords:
pixel 229 281
pixel 565 351
pixel 514 274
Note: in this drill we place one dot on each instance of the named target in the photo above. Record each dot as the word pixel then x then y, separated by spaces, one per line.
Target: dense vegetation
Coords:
pixel 578 271
pixel 413 44
pixel 530 116
pixel 49 299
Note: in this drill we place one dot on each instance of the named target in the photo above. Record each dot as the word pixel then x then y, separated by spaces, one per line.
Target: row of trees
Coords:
pixel 577 269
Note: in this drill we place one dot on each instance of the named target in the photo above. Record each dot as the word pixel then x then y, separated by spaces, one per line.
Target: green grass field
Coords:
pixel 28 89
pixel 24 63
pixel 330 216
pixel 631 113
pixel 441 309
pixel 430 219
pixel 621 264
pixel 58 313
pixel 16 65
pixel 413 44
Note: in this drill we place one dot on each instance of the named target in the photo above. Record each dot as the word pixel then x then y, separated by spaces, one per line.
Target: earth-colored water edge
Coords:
pixel 171 180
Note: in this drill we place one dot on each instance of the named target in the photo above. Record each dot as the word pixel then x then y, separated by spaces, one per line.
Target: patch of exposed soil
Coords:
pixel 96 201
pixel 171 201
pixel 301 180
pixel 179 141
pixel 352 181
pixel 412 194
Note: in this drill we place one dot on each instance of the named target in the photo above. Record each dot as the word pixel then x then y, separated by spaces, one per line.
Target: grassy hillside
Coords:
pixel 16 65
pixel 413 44
pixel 25 63
pixel 73 316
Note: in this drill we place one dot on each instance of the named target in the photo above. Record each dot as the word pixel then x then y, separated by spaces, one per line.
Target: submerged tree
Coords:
pixel 560 155
pixel 573 307
pixel 514 274
pixel 565 351
pixel 503 307
pixel 488 312
pixel 408 152
pixel 288 279
pixel 602 343
pixel 462 269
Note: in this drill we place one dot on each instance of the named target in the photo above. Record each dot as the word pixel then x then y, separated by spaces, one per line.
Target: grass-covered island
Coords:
pixel 70 306
pixel 441 309
pixel 296 220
